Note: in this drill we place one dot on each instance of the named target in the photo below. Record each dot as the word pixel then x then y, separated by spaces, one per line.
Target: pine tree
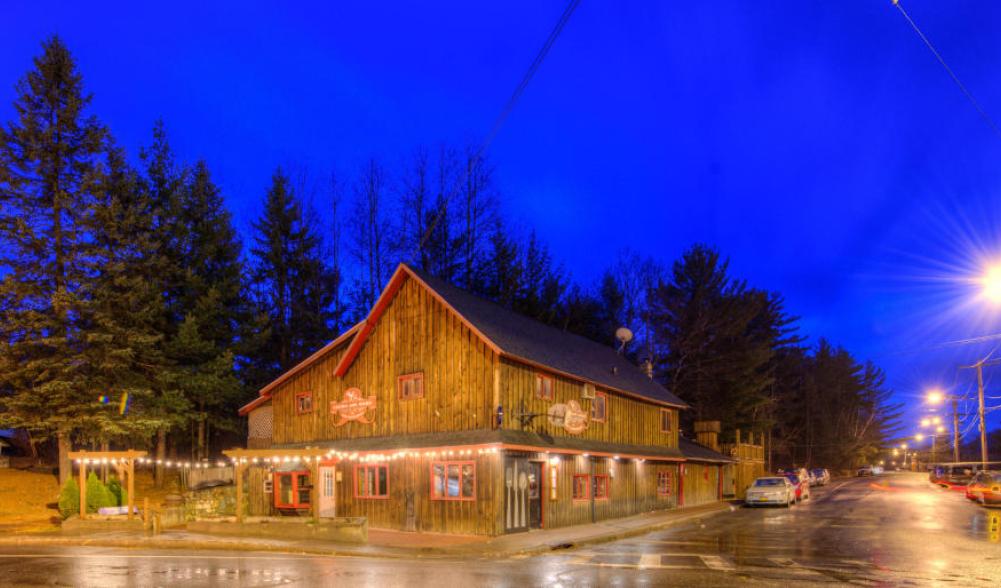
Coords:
pixel 49 155
pixel 292 283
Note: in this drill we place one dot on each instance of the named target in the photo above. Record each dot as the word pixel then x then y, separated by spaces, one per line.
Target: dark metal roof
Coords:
pixel 536 342
pixel 696 452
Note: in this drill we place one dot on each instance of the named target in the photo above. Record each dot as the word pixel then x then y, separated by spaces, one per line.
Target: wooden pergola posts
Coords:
pixel 123 460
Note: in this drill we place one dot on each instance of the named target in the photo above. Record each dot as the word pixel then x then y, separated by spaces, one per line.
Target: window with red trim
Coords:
pixel 581 487
pixel 453 480
pixel 599 486
pixel 599 407
pixel 705 473
pixel 666 420
pixel 664 483
pixel 543 387
pixel 303 402
pixel 372 481
pixel 410 386
pixel 292 489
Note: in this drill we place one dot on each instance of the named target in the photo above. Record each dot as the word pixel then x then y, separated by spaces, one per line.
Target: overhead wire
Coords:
pixel 952 74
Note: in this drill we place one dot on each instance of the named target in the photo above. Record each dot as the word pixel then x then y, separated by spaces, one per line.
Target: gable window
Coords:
pixel 599 486
pixel 581 489
pixel 453 480
pixel 599 407
pixel 372 481
pixel 666 420
pixel 410 386
pixel 664 484
pixel 543 387
pixel 303 402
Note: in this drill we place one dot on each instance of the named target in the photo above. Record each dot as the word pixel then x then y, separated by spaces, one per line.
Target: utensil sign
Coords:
pixel 353 407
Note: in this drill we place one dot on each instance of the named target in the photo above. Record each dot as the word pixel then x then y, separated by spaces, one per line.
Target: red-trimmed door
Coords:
pixel 535 490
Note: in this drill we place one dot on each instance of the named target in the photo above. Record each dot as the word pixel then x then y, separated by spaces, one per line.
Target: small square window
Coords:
pixel 543 387
pixel 410 386
pixel 599 407
pixel 304 402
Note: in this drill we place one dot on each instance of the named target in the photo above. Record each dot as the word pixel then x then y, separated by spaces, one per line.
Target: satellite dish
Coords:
pixel 624 335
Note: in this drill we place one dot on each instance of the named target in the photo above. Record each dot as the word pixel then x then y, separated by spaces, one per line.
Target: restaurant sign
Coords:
pixel 570 416
pixel 354 407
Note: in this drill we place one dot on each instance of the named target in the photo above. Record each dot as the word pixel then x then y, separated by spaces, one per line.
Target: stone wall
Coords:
pixel 210 503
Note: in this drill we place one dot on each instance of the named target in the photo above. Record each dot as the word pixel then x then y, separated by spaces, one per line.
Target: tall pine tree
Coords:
pixel 50 158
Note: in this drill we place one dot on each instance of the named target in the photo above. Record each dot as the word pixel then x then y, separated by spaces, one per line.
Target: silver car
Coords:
pixel 771 490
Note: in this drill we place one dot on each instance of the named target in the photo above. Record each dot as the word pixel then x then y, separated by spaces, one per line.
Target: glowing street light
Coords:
pixel 935 396
pixel 903 446
pixel 990 284
pixel 925 422
pixel 940 429
pixel 919 437
pixel 936 420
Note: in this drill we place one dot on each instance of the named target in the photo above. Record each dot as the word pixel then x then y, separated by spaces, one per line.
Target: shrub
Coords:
pixel 69 498
pixel 98 495
pixel 115 487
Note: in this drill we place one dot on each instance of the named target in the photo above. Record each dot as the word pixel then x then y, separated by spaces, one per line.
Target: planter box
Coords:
pixel 341 529
pixel 101 524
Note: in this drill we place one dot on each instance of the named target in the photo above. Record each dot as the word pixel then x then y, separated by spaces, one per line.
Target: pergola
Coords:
pixel 124 461
pixel 244 457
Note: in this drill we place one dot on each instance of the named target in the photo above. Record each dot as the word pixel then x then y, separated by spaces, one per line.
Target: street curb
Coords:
pixel 377 552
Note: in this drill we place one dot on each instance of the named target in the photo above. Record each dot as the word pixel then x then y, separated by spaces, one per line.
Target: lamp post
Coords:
pixel 936 397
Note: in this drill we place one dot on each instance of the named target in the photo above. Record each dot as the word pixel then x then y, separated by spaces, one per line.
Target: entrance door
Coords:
pixel 515 494
pixel 535 494
pixel 327 494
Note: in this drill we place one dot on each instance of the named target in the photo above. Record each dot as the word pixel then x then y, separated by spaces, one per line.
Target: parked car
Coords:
pixel 822 476
pixel 877 470
pixel 801 484
pixel 985 488
pixel 955 474
pixel 771 490
pixel 865 470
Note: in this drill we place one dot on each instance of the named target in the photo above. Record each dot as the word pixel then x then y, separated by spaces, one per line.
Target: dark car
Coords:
pixel 821 475
pixel 957 474
pixel 865 470
pixel 985 488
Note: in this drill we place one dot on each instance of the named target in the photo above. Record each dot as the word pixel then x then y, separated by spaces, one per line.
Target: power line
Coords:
pixel 508 107
pixel 952 74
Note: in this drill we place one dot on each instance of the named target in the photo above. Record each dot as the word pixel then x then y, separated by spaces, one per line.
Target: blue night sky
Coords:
pixel 818 144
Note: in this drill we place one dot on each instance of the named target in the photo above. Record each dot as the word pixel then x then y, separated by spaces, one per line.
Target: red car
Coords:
pixel 802 485
pixel 985 488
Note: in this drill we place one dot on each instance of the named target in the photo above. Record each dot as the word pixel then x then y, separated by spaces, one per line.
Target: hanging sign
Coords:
pixel 354 407
pixel 570 416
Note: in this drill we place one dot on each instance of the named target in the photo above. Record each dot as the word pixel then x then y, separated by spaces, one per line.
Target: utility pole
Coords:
pixel 955 429
pixel 979 366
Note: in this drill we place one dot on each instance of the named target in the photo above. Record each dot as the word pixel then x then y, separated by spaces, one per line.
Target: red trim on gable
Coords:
pixel 252 405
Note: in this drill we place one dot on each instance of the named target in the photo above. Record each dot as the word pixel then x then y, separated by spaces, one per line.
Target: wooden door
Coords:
pixel 327 494
pixel 515 494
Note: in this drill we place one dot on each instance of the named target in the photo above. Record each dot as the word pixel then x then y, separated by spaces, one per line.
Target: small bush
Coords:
pixel 69 498
pixel 98 495
pixel 115 487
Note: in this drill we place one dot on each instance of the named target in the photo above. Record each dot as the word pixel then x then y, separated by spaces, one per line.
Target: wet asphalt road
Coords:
pixel 891 530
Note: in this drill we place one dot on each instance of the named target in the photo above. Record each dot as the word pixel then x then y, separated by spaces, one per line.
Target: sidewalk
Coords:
pixel 393 544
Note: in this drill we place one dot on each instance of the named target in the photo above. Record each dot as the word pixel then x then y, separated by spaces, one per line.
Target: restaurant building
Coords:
pixel 445 412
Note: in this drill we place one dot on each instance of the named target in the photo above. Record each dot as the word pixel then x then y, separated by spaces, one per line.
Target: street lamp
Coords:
pixel 990 284
pixel 919 437
pixel 935 396
pixel 925 422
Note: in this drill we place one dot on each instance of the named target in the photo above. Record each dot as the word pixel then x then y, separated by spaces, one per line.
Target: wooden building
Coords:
pixel 444 412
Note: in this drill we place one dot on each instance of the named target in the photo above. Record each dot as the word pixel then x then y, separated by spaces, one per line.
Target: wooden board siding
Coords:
pixel 416 333
pixel 632 489
pixel 701 483
pixel 627 420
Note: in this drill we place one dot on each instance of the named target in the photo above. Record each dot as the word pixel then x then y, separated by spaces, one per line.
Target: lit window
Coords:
pixel 599 486
pixel 599 407
pixel 664 484
pixel 453 480
pixel 303 402
pixel 372 481
pixel 581 489
pixel 543 387
pixel 666 420
pixel 553 480
pixel 410 386
pixel 292 490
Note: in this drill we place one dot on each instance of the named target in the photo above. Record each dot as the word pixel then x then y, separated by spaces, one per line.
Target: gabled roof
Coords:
pixel 697 452
pixel 522 339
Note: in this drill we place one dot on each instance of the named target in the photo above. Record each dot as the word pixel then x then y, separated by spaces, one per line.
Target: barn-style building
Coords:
pixel 445 412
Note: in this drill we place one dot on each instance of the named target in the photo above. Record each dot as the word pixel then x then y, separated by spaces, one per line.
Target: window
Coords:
pixel 292 490
pixel 372 481
pixel 599 407
pixel 553 479
pixel 599 487
pixel 410 386
pixel 303 402
pixel 453 480
pixel 581 490
pixel 666 420
pixel 664 484
pixel 543 386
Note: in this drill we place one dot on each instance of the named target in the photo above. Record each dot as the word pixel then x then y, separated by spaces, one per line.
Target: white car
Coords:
pixel 771 490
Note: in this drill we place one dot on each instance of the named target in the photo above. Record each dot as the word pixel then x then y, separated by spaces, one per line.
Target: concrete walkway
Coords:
pixel 393 544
